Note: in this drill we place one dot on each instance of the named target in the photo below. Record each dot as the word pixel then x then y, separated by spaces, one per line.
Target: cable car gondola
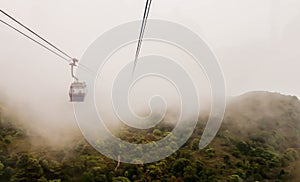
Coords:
pixel 77 89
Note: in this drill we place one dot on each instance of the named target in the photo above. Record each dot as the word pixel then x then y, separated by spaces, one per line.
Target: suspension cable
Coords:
pixel 145 18
pixel 42 45
pixel 55 47
pixel 27 36
pixel 142 31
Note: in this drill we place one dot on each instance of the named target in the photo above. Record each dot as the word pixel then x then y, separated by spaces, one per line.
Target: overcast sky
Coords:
pixel 257 41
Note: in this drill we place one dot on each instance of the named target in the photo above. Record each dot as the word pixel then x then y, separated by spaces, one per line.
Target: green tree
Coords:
pixel 226 160
pixel 190 174
pixel 243 147
pixel 179 165
pixel 120 179
pixel 2 168
pixel 28 169
pixel 235 178
pixel 154 172
pixel 87 177
pixel 195 144
pixel 157 132
pixel 210 152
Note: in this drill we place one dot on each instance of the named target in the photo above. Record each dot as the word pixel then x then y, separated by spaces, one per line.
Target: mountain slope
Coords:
pixel 258 141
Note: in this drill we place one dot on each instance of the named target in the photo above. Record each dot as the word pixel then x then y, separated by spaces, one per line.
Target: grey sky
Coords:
pixel 256 41
pixel 238 31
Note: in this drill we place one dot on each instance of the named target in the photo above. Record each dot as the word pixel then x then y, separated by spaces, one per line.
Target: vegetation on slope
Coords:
pixel 258 141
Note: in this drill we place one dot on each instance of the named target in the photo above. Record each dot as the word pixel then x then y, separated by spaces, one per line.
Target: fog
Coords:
pixel 255 41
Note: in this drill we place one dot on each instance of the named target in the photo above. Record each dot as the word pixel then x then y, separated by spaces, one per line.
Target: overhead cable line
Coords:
pixel 142 31
pixel 27 36
pixel 18 22
pixel 34 40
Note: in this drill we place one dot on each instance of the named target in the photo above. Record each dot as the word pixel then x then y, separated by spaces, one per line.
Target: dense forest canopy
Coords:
pixel 258 141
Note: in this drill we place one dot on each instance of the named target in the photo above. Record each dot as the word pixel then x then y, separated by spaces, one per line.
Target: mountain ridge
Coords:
pixel 258 141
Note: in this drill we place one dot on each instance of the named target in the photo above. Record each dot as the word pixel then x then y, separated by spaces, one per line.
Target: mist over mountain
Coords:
pixel 258 141
pixel 257 113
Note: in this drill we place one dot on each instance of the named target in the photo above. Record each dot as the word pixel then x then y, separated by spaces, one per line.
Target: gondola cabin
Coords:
pixel 77 91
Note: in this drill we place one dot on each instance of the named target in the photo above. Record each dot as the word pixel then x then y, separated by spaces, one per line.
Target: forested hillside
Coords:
pixel 258 141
